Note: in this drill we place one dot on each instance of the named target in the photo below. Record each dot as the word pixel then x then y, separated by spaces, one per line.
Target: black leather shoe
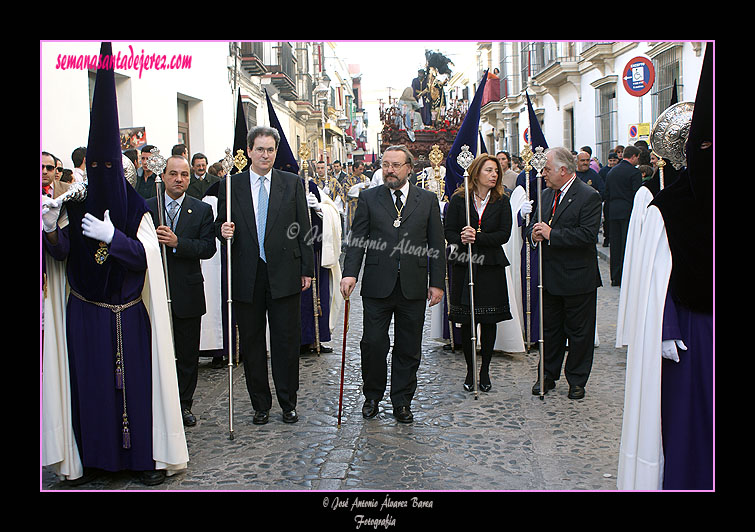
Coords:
pixel 260 417
pixel 189 419
pixel 403 414
pixel 152 478
pixel 218 362
pixel 290 416
pixel 549 385
pixel 89 475
pixel 576 392
pixel 370 408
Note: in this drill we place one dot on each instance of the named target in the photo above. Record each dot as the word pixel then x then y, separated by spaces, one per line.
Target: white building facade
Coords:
pixel 186 92
pixel 578 91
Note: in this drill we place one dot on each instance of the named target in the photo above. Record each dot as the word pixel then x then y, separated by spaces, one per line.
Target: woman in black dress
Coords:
pixel 489 228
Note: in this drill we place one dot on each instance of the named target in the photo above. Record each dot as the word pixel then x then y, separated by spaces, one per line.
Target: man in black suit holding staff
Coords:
pixel 398 227
pixel 570 276
pixel 188 235
pixel 272 262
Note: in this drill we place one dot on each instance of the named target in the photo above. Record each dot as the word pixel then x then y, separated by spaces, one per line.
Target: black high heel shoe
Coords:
pixel 485 385
pixel 469 384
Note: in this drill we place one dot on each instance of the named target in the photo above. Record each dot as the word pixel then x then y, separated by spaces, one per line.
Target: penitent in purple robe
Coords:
pixel 687 400
pixel 323 286
pixel 97 404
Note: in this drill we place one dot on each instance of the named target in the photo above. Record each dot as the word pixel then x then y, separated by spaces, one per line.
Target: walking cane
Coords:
pixel 343 357
pixel 157 163
pixel 538 162
pixel 464 159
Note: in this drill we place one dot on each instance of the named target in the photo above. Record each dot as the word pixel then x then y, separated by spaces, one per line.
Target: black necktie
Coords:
pixel 399 203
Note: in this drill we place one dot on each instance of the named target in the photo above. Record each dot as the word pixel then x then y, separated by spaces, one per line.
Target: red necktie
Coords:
pixel 555 204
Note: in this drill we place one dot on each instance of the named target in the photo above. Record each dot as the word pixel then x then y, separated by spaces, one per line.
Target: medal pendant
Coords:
pixel 101 254
pixel 397 222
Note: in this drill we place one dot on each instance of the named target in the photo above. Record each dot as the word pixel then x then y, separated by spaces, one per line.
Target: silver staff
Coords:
pixel 538 163
pixel 527 157
pixel 157 163
pixel 304 154
pixel 227 164
pixel 464 159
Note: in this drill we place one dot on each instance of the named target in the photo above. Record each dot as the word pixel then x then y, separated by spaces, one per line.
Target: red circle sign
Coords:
pixel 638 76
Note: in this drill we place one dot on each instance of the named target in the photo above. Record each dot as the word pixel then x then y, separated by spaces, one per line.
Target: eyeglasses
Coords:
pixel 392 166
pixel 262 150
pixel 48 167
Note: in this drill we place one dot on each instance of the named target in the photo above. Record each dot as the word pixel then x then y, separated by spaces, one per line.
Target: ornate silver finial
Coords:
pixel 465 157
pixel 129 171
pixel 668 136
pixel 76 192
pixel 539 159
pixel 227 162
pixel 156 162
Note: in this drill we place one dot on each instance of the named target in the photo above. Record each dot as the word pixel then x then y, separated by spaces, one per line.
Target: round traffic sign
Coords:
pixel 638 76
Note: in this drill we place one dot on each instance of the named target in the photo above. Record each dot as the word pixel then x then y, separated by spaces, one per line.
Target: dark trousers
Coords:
pixel 617 243
pixel 409 318
pixel 569 318
pixel 284 319
pixel 186 333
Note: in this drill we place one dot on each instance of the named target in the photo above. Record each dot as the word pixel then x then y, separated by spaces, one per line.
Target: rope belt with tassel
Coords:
pixel 120 368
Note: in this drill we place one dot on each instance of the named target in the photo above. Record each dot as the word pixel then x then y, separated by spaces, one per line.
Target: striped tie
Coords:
pixel 262 217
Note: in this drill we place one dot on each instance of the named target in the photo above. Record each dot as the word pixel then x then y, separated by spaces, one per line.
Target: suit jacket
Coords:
pixel 196 242
pixel 417 246
pixel 622 182
pixel 198 187
pixel 570 259
pixel 495 230
pixel 288 246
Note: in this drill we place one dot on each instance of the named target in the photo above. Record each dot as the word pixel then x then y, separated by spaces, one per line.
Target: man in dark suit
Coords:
pixel 272 262
pixel 570 276
pixel 398 225
pixel 189 237
pixel 201 179
pixel 622 182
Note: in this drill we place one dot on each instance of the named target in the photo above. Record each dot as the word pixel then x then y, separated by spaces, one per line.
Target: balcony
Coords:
pixel 253 58
pixel 274 62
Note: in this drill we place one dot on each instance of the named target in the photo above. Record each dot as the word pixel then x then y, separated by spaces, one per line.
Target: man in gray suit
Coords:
pixel 272 262
pixel 570 276
pixel 398 227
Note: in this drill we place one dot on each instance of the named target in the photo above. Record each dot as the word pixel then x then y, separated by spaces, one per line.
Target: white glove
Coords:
pixel 312 201
pixel 102 230
pixel 50 214
pixel 526 209
pixel 668 349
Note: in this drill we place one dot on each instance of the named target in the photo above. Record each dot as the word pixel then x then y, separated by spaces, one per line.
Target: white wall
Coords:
pixel 147 98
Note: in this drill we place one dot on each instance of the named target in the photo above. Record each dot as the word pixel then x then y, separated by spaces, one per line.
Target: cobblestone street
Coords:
pixel 508 439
